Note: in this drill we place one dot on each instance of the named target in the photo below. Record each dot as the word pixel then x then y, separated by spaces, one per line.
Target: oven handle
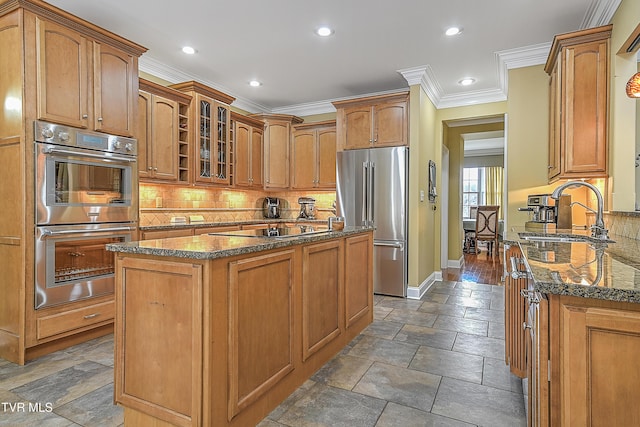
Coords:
pixel 48 233
pixel 52 150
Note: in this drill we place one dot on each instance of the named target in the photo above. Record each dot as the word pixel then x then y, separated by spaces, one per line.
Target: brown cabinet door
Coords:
pixel 260 335
pixel 326 154
pixel 390 125
pixel 599 350
pixel 322 295
pixel 276 154
pixel 164 138
pixel 113 90
pixel 257 157
pixel 303 159
pixel 516 312
pixel 242 155
pixel 358 278
pixel 143 134
pixel 585 108
pixel 62 75
pixel 358 127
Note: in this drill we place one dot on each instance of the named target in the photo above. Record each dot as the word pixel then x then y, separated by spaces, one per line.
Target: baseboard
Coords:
pixel 416 292
pixel 452 263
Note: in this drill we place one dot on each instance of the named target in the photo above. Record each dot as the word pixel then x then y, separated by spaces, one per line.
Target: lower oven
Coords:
pixel 72 262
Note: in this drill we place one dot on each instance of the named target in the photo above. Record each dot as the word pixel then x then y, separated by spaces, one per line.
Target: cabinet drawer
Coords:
pixel 75 319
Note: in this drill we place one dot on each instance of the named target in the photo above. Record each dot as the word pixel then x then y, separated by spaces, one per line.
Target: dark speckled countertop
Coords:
pixel 211 246
pixel 592 269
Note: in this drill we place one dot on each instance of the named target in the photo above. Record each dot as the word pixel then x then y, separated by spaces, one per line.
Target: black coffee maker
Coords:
pixel 271 207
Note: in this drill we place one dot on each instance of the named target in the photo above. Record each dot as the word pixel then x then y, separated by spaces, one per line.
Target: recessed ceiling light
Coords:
pixel 188 50
pixel 255 83
pixel 324 31
pixel 452 31
pixel 467 81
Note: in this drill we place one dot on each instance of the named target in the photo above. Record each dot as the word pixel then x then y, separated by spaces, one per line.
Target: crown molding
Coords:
pixel 599 13
pixel 173 75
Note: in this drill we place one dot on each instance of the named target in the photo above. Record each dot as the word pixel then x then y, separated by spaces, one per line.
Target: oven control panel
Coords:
pixel 81 138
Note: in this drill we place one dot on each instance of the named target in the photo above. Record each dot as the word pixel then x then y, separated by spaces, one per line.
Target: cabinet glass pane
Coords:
pixel 221 165
pixel 205 139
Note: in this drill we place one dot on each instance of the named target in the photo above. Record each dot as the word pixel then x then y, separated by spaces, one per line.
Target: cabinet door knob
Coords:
pixel 99 119
pixel 150 168
pixel 550 167
pixel 155 169
pixel 84 116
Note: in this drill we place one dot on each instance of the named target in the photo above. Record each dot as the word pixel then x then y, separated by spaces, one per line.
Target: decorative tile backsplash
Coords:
pixel 625 224
pixel 160 203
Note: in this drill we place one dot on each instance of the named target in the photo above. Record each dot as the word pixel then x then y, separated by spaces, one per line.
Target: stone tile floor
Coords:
pixel 434 362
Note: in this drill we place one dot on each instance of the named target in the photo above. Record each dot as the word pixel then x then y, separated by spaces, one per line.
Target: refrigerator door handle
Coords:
pixel 391 245
pixel 365 196
pixel 372 192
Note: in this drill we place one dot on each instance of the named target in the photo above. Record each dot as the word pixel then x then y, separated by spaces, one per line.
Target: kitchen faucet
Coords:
pixel 597 230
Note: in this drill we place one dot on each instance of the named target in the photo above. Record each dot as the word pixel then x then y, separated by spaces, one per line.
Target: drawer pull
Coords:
pixel 91 316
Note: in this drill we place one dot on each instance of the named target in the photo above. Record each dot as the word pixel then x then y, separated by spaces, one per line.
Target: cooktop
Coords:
pixel 277 232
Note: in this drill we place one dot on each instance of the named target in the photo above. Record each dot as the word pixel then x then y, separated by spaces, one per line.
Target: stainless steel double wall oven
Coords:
pixel 86 196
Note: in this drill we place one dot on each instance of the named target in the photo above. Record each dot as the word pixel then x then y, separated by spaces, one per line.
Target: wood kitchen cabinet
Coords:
pixel 515 311
pixel 210 133
pixel 578 66
pixel 313 156
pixel 248 151
pixel 277 141
pixel 65 70
pixel 83 82
pixel 376 121
pixel 162 133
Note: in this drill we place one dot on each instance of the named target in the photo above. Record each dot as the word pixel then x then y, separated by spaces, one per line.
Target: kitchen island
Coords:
pixel 576 333
pixel 215 330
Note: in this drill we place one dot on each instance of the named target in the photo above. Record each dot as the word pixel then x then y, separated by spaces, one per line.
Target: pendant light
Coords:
pixel 633 86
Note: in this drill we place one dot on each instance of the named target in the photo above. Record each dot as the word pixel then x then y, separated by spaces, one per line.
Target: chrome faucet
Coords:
pixel 597 230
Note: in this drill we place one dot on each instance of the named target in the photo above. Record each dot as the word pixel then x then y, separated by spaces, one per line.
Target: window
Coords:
pixel 471 193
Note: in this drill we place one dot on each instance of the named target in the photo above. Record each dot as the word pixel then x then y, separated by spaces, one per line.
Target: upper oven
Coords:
pixel 84 177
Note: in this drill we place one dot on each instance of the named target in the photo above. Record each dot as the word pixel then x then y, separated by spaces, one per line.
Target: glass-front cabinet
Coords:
pixel 211 139
pixel 212 149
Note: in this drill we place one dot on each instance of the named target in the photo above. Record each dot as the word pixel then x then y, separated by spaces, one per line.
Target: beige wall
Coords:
pixel 527 139
pixel 622 118
pixel 424 224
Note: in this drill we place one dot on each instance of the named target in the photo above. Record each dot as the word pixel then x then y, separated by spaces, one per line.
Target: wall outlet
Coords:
pixel 422 195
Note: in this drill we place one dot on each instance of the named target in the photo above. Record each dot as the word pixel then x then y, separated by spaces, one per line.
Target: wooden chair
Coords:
pixel 487 226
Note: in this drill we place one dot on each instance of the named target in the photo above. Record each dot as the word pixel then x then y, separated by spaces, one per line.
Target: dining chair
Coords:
pixel 487 226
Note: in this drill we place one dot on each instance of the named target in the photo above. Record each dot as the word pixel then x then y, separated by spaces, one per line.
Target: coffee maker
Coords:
pixel 547 213
pixel 307 208
pixel 271 207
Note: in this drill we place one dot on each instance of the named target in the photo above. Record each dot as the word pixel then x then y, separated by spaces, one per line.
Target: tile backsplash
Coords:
pixel 625 224
pixel 160 203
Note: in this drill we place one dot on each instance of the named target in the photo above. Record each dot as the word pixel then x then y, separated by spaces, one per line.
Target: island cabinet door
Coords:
pixel 358 278
pixel 260 326
pixel 322 290
pixel 158 362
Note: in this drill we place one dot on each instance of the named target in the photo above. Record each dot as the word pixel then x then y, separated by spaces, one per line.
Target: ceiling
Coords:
pixel 378 46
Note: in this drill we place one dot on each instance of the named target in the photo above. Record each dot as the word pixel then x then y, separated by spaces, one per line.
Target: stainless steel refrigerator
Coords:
pixel 372 190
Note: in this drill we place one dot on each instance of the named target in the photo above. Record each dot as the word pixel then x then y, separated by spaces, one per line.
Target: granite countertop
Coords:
pixel 209 246
pixel 178 226
pixel 592 269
